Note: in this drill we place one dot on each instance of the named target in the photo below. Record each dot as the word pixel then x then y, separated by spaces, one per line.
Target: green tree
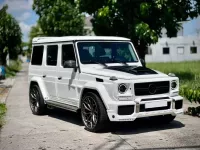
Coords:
pixel 10 36
pixel 35 31
pixel 59 17
pixel 139 20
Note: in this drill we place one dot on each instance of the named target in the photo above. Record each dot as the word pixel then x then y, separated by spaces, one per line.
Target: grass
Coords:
pixel 2 113
pixel 189 76
pixel 14 67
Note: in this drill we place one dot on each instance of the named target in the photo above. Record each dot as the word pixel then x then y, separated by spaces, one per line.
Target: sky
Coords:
pixel 22 11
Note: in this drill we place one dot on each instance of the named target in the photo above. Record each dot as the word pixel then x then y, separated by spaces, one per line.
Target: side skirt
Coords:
pixel 62 106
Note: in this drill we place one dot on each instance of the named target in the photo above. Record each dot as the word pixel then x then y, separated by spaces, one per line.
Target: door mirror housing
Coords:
pixel 70 64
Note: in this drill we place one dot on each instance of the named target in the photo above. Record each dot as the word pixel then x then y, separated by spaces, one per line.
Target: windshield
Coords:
pixel 106 52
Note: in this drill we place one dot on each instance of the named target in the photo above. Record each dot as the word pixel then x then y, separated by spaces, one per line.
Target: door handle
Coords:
pixel 59 78
pixel 44 76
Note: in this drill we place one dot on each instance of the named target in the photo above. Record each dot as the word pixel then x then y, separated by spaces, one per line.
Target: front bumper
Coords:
pixel 139 110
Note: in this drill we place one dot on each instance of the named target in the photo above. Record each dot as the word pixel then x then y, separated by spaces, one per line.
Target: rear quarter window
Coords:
pixel 37 55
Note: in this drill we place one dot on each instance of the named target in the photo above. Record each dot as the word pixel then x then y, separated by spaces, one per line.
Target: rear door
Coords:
pixel 50 70
pixel 36 66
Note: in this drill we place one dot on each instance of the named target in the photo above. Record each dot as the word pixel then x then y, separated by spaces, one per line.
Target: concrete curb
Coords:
pixel 5 96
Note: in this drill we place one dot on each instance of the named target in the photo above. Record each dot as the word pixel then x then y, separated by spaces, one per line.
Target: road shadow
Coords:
pixel 142 125
pixel 65 115
pixel 122 128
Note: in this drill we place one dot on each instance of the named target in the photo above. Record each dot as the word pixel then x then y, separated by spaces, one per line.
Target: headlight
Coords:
pixel 173 84
pixel 122 88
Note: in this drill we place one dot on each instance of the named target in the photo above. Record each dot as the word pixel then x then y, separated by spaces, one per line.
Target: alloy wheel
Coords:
pixel 89 112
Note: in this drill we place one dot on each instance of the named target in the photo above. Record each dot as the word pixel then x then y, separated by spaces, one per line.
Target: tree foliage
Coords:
pixel 59 17
pixel 10 36
pixel 140 20
pixel 35 31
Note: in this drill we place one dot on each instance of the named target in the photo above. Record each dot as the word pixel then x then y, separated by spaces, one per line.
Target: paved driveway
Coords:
pixel 64 130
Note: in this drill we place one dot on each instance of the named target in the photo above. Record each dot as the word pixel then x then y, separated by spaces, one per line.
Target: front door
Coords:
pixel 49 72
pixel 67 77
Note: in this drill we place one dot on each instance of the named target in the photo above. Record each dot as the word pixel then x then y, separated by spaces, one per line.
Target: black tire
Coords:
pixel 36 101
pixel 98 114
pixel 162 119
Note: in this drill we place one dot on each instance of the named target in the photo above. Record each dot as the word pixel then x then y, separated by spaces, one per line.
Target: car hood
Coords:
pixel 124 72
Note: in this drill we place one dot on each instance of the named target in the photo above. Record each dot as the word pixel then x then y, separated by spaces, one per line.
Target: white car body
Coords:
pixel 63 87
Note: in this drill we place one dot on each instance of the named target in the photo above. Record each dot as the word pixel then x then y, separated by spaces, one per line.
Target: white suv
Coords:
pixel 102 77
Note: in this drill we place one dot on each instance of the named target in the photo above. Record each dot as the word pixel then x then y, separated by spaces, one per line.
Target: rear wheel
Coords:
pixel 36 101
pixel 163 119
pixel 93 112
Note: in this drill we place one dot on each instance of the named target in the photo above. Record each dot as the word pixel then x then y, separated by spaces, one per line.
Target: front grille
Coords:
pixel 151 88
pixel 143 109
pixel 126 110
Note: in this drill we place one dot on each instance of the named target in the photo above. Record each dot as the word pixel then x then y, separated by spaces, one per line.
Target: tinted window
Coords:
pixel 106 52
pixel 166 50
pixel 193 50
pixel 52 53
pixel 37 55
pixel 67 53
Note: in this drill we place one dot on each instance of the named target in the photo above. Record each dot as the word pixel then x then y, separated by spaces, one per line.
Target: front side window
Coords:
pixel 67 53
pixel 106 52
pixel 52 53
pixel 37 55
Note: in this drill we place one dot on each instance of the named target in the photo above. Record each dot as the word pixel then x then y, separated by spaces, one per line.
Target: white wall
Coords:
pixel 173 43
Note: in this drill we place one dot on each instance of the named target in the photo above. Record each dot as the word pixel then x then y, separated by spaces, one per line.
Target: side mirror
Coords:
pixel 142 61
pixel 70 64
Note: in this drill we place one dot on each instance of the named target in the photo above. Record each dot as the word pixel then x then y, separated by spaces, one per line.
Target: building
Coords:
pixel 88 26
pixel 174 49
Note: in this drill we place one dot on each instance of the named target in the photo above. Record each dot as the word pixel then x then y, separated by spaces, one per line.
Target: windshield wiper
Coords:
pixel 101 63
pixel 97 62
pixel 119 61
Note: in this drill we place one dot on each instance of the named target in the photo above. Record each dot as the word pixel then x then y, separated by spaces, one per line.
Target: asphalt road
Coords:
pixel 64 130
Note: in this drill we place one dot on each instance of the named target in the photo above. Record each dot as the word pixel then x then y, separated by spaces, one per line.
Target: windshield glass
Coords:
pixel 106 52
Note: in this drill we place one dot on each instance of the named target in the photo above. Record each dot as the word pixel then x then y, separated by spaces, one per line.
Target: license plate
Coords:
pixel 156 104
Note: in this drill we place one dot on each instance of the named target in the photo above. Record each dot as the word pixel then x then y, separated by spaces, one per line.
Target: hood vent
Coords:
pixel 133 70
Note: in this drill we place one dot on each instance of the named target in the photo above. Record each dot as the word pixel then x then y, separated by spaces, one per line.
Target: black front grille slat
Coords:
pixel 150 99
pixel 141 89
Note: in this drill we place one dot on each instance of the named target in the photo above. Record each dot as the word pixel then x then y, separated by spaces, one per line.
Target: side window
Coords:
pixel 67 53
pixel 37 55
pixel 52 53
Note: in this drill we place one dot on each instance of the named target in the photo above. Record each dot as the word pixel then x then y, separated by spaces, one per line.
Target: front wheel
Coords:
pixel 93 112
pixel 163 119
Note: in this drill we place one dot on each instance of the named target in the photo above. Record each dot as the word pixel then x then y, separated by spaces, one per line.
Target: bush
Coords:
pixel 2 113
pixel 194 111
pixel 14 66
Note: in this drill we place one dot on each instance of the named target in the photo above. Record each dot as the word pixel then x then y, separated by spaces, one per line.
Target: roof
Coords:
pixel 76 38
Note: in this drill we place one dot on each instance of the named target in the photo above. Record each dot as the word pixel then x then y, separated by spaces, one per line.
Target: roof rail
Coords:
pixel 35 39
